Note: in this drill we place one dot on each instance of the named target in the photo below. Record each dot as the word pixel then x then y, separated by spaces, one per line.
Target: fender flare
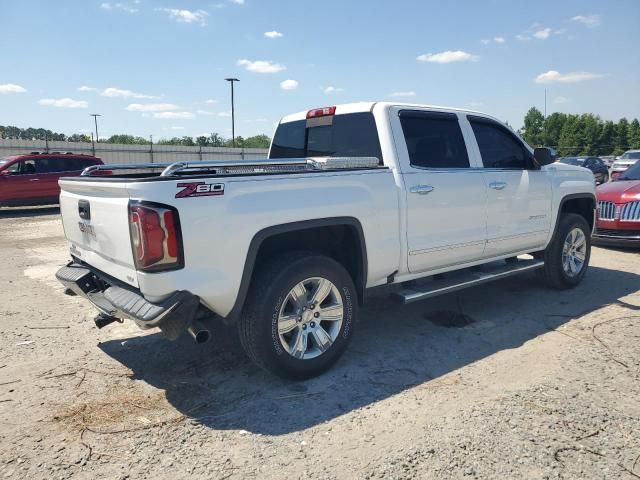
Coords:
pixel 574 196
pixel 262 235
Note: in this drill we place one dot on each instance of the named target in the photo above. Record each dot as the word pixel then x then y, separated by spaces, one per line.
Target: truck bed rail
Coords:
pixel 249 167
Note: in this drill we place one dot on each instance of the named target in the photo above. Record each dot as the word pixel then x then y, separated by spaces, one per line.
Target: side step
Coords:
pixel 466 278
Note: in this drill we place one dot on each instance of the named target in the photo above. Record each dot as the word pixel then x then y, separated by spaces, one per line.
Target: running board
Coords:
pixel 466 278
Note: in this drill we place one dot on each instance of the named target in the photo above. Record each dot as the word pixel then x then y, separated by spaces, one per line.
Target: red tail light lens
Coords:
pixel 155 237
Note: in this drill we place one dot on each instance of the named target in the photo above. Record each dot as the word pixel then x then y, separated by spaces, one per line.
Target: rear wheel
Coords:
pixel 566 259
pixel 299 315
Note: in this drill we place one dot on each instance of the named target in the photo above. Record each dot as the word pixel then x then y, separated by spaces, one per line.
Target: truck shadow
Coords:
pixel 18 212
pixel 395 348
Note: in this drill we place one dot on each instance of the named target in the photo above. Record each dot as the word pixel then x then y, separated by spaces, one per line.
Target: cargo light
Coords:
pixel 321 112
pixel 155 237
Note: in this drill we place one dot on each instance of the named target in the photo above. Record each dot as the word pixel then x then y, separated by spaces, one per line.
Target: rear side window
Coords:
pixel 348 135
pixel 499 148
pixel 434 139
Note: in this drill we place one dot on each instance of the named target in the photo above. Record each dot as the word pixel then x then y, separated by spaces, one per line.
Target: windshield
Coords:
pixel 632 174
pixel 572 161
pixel 630 156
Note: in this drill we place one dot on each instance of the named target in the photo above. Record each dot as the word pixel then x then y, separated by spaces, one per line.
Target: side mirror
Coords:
pixel 543 156
pixel 4 173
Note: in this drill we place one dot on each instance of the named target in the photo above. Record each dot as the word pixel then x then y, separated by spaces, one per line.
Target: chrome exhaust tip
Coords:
pixel 198 332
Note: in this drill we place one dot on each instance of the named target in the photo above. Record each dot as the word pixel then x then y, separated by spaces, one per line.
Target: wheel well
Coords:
pixel 583 206
pixel 343 243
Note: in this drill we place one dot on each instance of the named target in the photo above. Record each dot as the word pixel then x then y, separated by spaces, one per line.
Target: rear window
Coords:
pixel 349 135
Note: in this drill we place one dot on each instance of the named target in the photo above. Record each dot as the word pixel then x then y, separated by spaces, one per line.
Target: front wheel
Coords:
pixel 299 315
pixel 566 259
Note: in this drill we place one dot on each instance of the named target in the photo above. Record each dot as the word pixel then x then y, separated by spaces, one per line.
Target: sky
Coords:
pixel 158 67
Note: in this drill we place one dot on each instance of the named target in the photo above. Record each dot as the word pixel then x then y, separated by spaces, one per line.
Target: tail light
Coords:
pixel 155 237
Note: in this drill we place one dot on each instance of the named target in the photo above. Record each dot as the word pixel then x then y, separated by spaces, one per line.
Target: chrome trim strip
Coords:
pixel 482 278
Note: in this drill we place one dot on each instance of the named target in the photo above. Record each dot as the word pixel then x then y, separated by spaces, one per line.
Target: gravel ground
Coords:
pixel 508 380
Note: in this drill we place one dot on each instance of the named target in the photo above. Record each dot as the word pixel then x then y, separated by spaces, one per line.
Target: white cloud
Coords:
pixel 211 102
pixel 173 115
pixel 560 100
pixel 63 103
pixel 499 39
pixel 237 2
pixel 84 88
pixel 522 37
pixel 273 34
pixel 12 88
pixel 332 89
pixel 118 6
pixel 448 57
pixel 571 77
pixel 186 16
pixel 542 34
pixel 204 112
pixel 410 93
pixel 587 20
pixel 117 92
pixel 288 84
pixel 224 114
pixel 176 127
pixel 151 107
pixel 261 66
pixel 485 41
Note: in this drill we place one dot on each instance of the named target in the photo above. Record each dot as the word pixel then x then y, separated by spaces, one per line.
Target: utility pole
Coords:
pixel 95 119
pixel 233 113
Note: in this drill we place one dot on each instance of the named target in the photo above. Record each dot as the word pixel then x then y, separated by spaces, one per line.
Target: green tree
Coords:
pixel 216 140
pixel 533 127
pixel 607 138
pixel 257 141
pixel 203 141
pixel 633 134
pixel 621 139
pixel 552 127
pixel 569 141
pixel 124 139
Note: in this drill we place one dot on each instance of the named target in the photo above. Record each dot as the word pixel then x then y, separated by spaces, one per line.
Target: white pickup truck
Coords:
pixel 351 197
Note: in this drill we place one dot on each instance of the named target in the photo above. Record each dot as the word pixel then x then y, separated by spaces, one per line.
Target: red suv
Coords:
pixel 33 179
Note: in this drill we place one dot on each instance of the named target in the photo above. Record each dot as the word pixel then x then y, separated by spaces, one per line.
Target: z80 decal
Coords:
pixel 199 189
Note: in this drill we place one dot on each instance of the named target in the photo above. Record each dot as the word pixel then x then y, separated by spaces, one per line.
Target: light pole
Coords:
pixel 95 119
pixel 233 113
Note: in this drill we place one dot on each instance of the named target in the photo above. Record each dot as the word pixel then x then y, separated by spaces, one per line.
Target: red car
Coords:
pixel 618 222
pixel 33 179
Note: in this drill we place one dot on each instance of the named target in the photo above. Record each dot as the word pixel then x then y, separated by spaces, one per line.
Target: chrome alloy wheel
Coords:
pixel 310 318
pixel 574 252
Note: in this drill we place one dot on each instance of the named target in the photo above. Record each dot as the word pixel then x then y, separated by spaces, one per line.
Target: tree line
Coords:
pixel 213 140
pixel 585 134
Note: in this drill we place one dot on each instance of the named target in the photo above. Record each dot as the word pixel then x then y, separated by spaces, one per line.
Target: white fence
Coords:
pixel 116 153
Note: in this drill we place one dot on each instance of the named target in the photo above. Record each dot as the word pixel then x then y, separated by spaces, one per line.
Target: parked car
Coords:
pixel 618 221
pixel 623 162
pixel 608 159
pixel 33 179
pixel 595 164
pixel 351 197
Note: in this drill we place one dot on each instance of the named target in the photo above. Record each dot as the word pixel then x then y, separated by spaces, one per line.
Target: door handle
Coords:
pixel 421 189
pixel 34 180
pixel 498 185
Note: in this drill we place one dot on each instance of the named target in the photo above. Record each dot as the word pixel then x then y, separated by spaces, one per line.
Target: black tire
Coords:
pixel 553 272
pixel 258 325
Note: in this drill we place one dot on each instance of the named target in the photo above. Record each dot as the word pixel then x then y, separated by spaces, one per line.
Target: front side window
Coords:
pixel 434 139
pixel 499 148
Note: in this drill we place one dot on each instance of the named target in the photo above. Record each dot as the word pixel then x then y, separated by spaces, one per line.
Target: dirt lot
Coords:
pixel 532 383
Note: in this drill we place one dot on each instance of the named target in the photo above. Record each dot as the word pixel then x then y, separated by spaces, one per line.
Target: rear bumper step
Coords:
pixel 173 315
pixel 466 278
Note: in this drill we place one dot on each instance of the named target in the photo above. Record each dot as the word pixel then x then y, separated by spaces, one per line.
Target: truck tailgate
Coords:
pixel 95 217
